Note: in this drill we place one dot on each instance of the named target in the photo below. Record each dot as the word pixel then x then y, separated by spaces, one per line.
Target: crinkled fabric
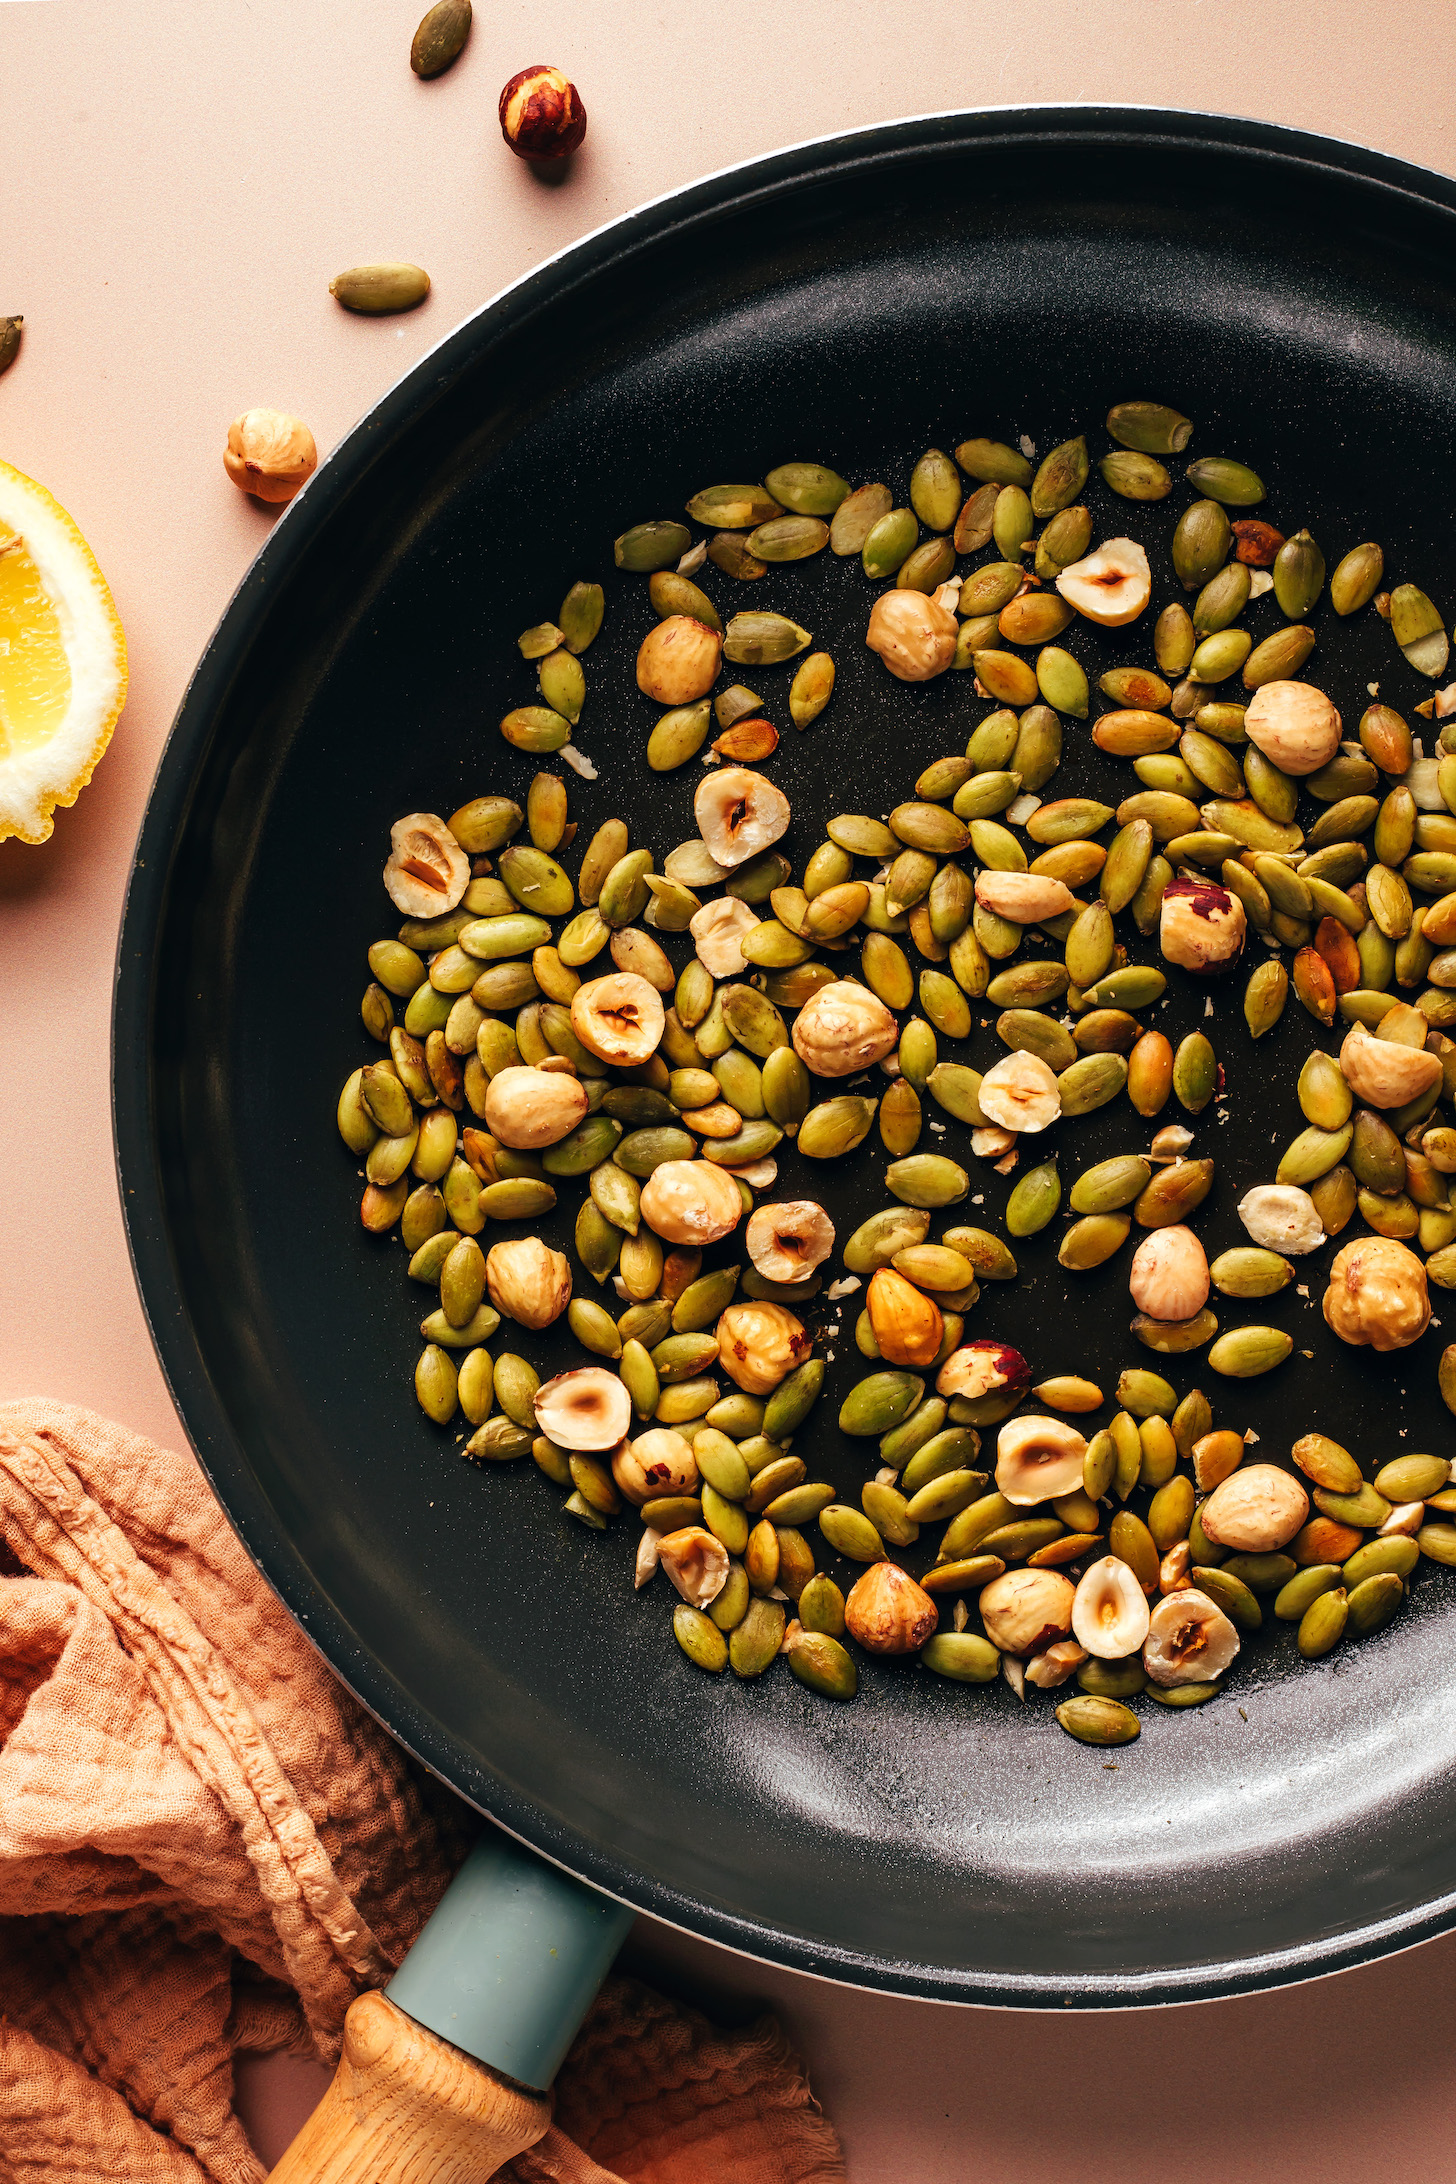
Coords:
pixel 206 1846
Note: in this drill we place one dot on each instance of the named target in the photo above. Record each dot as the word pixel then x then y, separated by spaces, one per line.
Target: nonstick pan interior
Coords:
pixel 853 302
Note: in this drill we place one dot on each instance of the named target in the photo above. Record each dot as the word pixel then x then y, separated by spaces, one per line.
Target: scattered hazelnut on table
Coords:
pixel 1294 725
pixel 888 1612
pixel 541 114
pixel 1201 926
pixel 269 454
pixel 1377 1295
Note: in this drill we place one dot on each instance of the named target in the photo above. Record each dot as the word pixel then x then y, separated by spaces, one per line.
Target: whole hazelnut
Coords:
pixel 758 1343
pixel 1256 1510
pixel 908 1326
pixel 843 1028
pixel 528 1281
pixel 541 114
pixel 1294 725
pixel 1169 1276
pixel 888 1612
pixel 914 637
pixel 1377 1295
pixel 269 454
pixel 691 1202
pixel 525 1107
pixel 657 1462
pixel 677 661
pixel 1025 1611
pixel 1201 926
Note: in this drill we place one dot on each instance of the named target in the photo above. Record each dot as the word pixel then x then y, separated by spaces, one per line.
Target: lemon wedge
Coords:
pixel 62 659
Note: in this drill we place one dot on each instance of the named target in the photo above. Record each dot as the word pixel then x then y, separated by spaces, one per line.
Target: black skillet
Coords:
pixel 853 301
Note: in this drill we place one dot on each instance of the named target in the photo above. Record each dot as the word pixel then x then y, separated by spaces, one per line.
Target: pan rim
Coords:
pixel 219 1449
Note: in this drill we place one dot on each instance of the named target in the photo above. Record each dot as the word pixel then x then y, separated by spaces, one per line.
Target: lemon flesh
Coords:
pixel 35 675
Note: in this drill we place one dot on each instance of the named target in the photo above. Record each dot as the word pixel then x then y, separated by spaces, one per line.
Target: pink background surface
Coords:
pixel 180 184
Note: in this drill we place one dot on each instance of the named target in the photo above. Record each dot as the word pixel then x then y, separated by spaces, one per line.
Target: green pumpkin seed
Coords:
pixel 1371 1606
pixel 1245 1352
pixel 924 1179
pixel 1098 1721
pixel 757 1639
pixel 1323 1623
pixel 879 1402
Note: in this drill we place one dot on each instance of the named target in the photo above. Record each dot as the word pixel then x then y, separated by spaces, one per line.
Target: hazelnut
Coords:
pixel 1189 1640
pixel 1377 1295
pixel 1023 897
pixel 1037 1459
pixel 1025 1611
pixel 984 1368
pixel 888 1612
pixel 696 1562
pixel 525 1108
pixel 758 1343
pixel 1020 1092
pixel 908 1326
pixel 1050 1670
pixel 1383 1073
pixel 691 1202
pixel 1201 926
pixel 269 454
pixel 739 813
pixel 914 636
pixel 541 114
pixel 427 871
pixel 586 1409
pixel 618 1018
pixel 657 1462
pixel 1169 1276
pixel 1110 1610
pixel 1282 1217
pixel 786 1242
pixel 718 931
pixel 528 1281
pixel 843 1028
pixel 1174 1567
pixel 677 661
pixel 1256 1510
pixel 1294 725
pixel 1110 586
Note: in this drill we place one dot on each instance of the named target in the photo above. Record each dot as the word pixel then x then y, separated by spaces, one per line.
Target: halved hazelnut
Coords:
pixel 739 813
pixel 658 1462
pixel 1382 1073
pixel 691 1202
pixel 525 1108
pixel 1021 1093
pixel 843 1028
pixel 618 1018
pixel 1050 1670
pixel 984 1368
pixel 719 930
pixel 758 1343
pixel 1255 1511
pixel 1110 1611
pixel 1169 1275
pixel 888 1612
pixel 787 1241
pixel 587 1409
pixel 1110 586
pixel 1025 1611
pixel 1038 1458
pixel 696 1562
pixel 427 871
pixel 1189 1640
pixel 1023 897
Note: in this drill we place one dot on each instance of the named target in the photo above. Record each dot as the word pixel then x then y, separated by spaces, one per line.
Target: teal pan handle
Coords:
pixel 510 1962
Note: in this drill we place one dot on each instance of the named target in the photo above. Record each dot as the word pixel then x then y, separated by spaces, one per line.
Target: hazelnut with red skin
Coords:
pixel 541 114
pixel 1201 926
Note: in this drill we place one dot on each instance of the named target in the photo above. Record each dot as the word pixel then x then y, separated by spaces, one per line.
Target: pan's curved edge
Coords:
pixel 201 1413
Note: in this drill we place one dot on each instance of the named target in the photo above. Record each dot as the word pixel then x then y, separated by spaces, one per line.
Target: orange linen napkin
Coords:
pixel 207 1845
